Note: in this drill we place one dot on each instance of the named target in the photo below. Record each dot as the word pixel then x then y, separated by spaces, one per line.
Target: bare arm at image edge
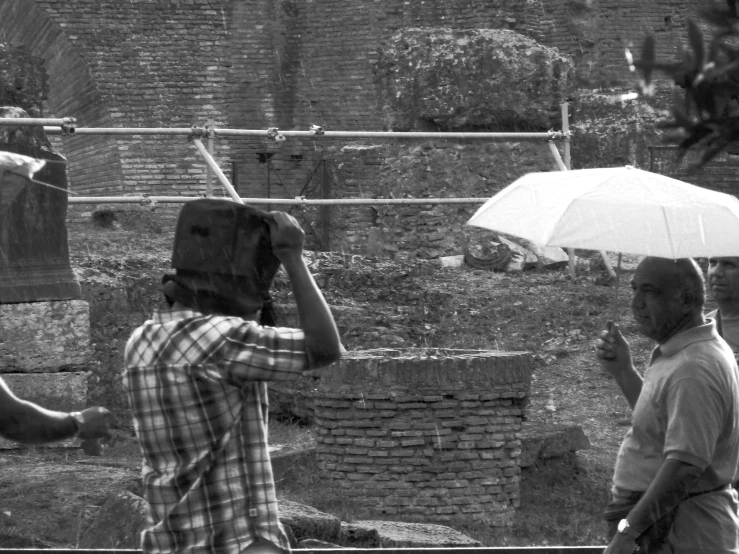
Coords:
pixel 25 422
pixel 322 342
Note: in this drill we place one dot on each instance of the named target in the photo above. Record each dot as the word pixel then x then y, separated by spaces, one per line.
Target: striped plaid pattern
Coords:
pixel 197 388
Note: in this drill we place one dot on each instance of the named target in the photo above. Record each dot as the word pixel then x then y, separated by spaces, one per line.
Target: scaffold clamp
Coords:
pixel 69 124
pixel 274 134
pixel 146 201
pixel 316 129
pixel 196 132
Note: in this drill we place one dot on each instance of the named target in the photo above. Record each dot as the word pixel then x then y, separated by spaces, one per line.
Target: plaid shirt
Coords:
pixel 196 386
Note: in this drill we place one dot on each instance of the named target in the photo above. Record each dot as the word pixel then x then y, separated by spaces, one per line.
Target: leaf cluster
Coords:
pixel 706 116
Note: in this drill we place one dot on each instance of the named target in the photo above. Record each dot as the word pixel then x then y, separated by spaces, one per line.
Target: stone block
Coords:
pixel 397 534
pixel 452 261
pixel 545 441
pixel 307 522
pixel 34 254
pixel 64 392
pixel 44 337
pixel 417 371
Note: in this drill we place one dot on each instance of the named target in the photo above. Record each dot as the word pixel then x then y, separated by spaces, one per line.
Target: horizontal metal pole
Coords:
pixel 179 131
pixel 463 550
pixel 186 131
pixel 277 201
pixel 29 121
pixel 390 134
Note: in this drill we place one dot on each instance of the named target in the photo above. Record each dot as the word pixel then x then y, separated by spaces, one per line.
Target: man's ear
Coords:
pixel 688 299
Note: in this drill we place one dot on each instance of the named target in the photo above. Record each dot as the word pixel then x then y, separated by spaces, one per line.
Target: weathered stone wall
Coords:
pixel 44 337
pixel 611 132
pixel 289 64
pixel 23 78
pixel 721 174
pixel 596 32
pixel 448 170
pixel 479 78
pixel 427 436
pixel 262 63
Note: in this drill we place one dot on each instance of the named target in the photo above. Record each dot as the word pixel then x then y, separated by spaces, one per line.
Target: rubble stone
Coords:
pixel 471 77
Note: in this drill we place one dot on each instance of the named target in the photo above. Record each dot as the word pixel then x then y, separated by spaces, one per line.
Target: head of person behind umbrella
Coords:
pixel 723 286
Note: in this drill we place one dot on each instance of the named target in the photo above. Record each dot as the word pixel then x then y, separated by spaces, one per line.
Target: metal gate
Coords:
pixel 287 176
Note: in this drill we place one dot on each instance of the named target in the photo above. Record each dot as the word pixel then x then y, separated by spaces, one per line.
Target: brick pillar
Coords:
pixel 423 437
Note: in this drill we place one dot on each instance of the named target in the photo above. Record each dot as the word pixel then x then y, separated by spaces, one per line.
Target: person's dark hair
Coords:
pixel 690 279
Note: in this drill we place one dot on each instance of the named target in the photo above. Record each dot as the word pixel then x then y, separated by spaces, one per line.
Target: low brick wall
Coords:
pixel 425 436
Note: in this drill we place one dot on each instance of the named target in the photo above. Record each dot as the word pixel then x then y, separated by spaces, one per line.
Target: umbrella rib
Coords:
pixel 669 232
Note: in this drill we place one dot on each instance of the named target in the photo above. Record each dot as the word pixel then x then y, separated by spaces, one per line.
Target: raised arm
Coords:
pixel 28 423
pixel 322 342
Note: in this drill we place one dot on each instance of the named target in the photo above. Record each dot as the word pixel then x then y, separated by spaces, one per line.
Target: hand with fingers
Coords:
pixel 93 423
pixel 621 544
pixel 287 236
pixel 612 350
pixel 614 355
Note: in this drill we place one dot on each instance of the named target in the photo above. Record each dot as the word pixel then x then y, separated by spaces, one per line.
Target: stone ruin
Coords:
pixel 424 436
pixel 44 325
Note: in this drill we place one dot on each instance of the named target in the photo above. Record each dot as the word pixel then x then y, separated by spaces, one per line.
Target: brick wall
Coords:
pixel 721 174
pixel 428 436
pixel 261 63
pixel 596 32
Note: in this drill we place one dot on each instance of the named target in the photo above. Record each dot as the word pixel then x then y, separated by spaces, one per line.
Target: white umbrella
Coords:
pixel 621 209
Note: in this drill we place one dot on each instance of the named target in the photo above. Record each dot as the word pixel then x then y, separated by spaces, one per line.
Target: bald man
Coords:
pixel 672 488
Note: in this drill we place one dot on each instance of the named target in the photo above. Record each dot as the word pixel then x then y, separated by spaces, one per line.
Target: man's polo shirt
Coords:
pixel 688 410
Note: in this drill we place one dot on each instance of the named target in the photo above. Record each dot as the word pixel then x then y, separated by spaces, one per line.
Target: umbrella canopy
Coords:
pixel 620 209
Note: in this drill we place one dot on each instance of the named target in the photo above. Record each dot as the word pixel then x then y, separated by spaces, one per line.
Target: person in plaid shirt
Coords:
pixel 196 378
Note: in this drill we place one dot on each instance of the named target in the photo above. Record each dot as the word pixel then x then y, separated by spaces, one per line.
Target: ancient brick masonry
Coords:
pixel 425 437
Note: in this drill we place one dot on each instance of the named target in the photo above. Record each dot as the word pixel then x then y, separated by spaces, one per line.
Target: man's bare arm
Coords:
pixel 322 341
pixel 670 487
pixel 27 423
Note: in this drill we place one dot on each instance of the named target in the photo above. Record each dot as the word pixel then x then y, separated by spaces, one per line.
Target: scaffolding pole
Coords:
pixel 217 170
pixel 146 199
pixel 563 166
pixel 67 126
pixel 66 129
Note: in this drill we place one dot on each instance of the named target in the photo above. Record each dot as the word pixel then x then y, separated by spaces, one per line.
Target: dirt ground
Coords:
pixel 49 496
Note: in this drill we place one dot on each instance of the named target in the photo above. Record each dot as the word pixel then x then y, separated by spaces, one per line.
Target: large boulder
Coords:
pixel 456 78
pixel 543 441
pixel 397 534
pixel 118 524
